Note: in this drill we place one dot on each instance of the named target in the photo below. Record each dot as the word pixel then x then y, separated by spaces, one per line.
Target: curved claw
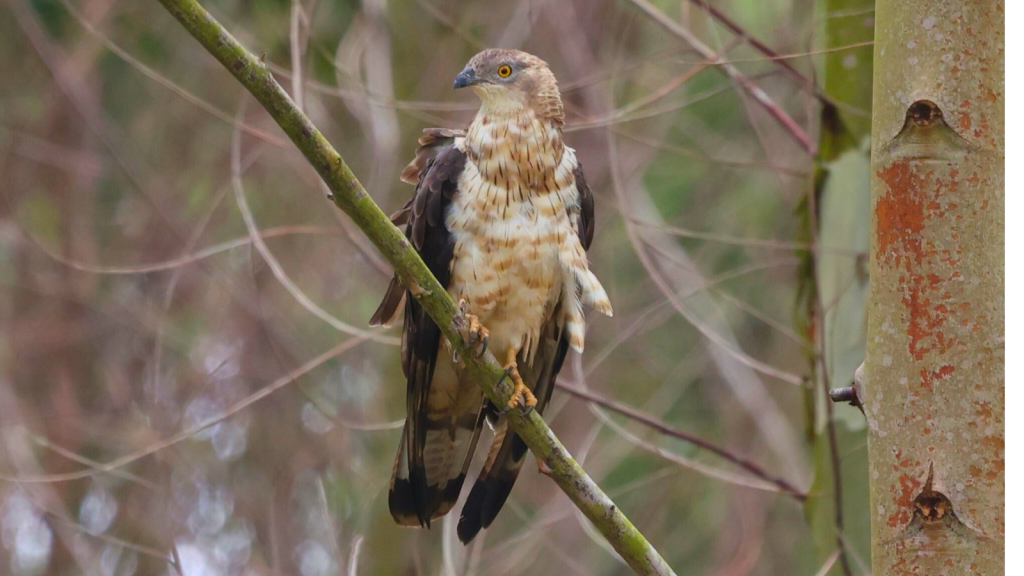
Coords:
pixel 504 376
pixel 473 332
pixel 521 394
pixel 508 373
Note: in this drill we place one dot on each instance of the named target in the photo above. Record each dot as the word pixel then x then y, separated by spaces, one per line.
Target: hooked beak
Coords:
pixel 466 78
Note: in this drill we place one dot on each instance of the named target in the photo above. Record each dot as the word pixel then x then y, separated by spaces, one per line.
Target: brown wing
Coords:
pixel 433 143
pixel 585 216
pixel 508 451
pixel 443 413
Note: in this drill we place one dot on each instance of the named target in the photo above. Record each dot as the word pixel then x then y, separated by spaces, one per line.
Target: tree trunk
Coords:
pixel 933 384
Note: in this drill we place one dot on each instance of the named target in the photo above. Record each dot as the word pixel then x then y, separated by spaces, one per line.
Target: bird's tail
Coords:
pixel 436 448
pixel 508 451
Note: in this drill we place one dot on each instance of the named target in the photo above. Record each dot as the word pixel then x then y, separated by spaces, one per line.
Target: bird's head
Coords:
pixel 511 81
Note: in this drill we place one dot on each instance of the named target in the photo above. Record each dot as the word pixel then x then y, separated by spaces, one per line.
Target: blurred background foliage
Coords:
pixel 136 306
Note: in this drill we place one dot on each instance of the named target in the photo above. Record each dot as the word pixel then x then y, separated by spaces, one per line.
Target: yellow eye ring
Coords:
pixel 505 71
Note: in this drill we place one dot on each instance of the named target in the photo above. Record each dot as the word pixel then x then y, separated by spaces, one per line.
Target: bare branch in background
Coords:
pixel 646 420
pixel 278 270
pixel 759 404
pixel 759 95
pixel 192 430
pixel 163 81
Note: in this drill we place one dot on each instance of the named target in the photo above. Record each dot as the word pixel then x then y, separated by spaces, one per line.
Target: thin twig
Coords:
pixel 672 84
pixel 42 441
pixel 141 549
pixel 298 50
pixel 824 380
pixel 753 396
pixel 784 245
pixel 737 479
pixel 828 564
pixel 281 382
pixel 759 95
pixel 353 556
pixel 763 48
pixel 189 258
pixel 350 196
pixel 667 430
pixel 329 525
pixel 275 266
pixel 163 81
pixel 691 153
pixel 176 559
pixel 443 18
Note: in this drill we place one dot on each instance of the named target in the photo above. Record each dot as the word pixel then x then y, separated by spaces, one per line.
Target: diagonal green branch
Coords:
pixel 351 197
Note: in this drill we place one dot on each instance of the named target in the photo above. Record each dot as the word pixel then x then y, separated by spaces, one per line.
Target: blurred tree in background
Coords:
pixel 145 292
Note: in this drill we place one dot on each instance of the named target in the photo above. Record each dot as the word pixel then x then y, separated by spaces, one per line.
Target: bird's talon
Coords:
pixel 504 376
pixel 522 396
pixel 514 400
pixel 473 333
pixel 520 393
pixel 529 401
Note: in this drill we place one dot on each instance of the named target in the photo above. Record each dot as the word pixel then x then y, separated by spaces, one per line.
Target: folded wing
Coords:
pixel 444 412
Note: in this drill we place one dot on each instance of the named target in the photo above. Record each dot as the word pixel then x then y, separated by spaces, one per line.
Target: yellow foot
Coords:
pixel 473 332
pixel 520 393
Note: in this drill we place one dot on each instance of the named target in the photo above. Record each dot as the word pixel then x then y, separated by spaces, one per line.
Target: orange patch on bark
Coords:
pixel 912 201
pixel 909 487
pixel 995 443
pixel 930 377
pixel 900 213
pixel 984 410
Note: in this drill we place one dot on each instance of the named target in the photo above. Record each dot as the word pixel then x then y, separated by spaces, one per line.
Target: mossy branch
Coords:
pixel 351 197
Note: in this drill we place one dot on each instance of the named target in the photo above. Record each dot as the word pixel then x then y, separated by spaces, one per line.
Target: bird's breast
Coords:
pixel 508 223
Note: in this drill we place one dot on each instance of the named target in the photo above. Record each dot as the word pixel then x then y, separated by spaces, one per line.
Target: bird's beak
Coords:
pixel 466 78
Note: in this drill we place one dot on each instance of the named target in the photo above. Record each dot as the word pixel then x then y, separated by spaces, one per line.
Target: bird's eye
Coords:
pixel 505 71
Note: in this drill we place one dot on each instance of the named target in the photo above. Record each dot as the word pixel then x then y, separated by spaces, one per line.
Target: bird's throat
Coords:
pixel 522 150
